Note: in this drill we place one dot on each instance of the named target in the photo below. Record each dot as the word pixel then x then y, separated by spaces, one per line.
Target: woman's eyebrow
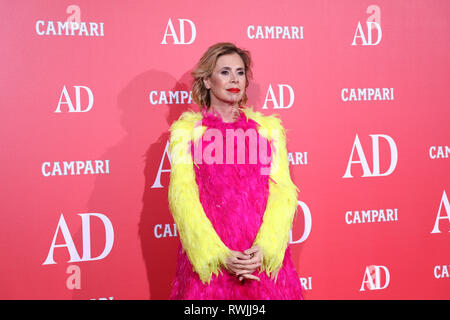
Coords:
pixel 229 68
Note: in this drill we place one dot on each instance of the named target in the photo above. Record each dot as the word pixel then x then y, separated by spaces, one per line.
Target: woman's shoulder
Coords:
pixel 272 121
pixel 187 120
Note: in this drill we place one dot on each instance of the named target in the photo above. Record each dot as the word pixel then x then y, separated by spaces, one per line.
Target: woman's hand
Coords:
pixel 243 264
pixel 256 260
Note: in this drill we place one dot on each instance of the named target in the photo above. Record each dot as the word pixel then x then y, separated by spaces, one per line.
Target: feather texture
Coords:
pixel 223 207
pixel 273 236
pixel 205 250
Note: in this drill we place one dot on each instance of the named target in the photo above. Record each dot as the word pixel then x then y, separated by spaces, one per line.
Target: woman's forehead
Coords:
pixel 232 61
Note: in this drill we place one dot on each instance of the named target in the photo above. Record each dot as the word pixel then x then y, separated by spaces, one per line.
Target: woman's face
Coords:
pixel 227 81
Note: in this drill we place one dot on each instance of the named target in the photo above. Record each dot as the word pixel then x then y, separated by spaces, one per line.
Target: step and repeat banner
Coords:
pixel 90 88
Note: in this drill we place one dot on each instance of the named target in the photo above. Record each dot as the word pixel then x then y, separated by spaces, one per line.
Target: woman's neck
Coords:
pixel 227 113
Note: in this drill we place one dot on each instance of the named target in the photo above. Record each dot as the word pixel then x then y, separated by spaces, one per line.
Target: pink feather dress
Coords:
pixel 234 199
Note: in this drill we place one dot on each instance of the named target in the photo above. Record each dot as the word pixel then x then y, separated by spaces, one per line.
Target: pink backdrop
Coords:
pixel 361 87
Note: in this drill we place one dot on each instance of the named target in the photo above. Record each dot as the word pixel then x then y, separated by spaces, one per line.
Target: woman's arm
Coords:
pixel 204 248
pixel 273 235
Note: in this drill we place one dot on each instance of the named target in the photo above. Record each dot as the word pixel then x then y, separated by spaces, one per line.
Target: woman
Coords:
pixel 233 216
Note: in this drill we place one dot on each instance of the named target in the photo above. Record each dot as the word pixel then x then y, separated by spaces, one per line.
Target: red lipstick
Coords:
pixel 234 90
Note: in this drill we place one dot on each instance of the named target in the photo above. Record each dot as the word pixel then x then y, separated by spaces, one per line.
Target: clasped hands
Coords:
pixel 243 264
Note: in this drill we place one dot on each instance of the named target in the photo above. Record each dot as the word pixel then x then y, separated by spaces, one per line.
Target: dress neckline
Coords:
pixel 216 117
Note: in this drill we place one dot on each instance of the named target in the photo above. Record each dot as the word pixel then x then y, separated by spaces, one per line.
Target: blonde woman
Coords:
pixel 230 190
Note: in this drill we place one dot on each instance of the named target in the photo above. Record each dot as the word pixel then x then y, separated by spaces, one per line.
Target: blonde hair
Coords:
pixel 206 65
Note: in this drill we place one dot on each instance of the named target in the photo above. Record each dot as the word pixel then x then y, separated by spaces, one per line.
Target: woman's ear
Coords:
pixel 207 83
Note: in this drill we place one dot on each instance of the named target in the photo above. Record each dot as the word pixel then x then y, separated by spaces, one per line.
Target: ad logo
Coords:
pixel 373 277
pixel 285 92
pixel 86 230
pixel 65 95
pixel 373 22
pixel 180 37
pixel 443 206
pixel 307 225
pixel 376 157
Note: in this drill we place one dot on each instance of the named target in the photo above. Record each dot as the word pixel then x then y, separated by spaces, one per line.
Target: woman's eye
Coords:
pixel 226 72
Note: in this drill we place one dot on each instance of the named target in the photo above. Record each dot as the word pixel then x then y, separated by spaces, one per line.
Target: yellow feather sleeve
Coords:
pixel 273 235
pixel 204 248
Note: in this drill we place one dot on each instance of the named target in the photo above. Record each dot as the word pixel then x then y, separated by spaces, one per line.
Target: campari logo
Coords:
pixel 275 32
pixel 72 26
